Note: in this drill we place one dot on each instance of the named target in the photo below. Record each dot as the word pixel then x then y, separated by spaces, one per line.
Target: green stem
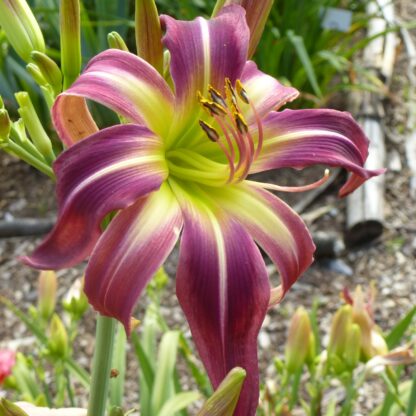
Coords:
pixel 101 365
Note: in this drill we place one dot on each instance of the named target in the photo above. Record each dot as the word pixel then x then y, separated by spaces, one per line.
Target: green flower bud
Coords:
pixel 75 302
pixel 34 126
pixel 353 347
pixel 341 324
pixel 149 33
pixel 34 71
pixel 5 125
pixel 115 41
pixel 298 346
pixel 116 411
pixel 47 285
pixel 58 338
pixel 10 409
pixel 49 70
pixel 22 29
pixel 70 22
pixel 224 400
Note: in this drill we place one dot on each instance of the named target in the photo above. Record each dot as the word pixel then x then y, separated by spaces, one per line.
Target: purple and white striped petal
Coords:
pixel 130 251
pixel 300 138
pixel 123 82
pixel 275 227
pixel 107 171
pixel 223 287
pixel 205 52
pixel 264 92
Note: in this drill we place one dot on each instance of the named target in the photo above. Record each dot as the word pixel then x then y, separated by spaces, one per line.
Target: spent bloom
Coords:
pixel 177 169
pixel 7 361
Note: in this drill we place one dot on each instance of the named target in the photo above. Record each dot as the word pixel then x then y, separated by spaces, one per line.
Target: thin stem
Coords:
pixel 101 366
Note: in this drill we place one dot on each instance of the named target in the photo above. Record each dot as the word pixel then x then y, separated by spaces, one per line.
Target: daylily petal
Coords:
pixel 280 232
pixel 264 91
pixel 205 52
pixel 223 288
pixel 130 251
pixel 300 138
pixel 107 171
pixel 123 82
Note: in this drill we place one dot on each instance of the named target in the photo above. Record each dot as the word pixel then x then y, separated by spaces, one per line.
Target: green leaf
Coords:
pixel 146 367
pixel 178 402
pixel 163 383
pixel 299 45
pixel 411 408
pixel 396 334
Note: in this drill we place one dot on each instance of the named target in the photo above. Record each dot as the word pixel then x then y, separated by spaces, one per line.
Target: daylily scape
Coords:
pixel 176 168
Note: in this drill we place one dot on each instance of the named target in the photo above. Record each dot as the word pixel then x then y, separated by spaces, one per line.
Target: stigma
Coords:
pixel 229 128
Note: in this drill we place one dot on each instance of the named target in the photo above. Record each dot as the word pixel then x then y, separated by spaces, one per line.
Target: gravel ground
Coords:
pixel 389 261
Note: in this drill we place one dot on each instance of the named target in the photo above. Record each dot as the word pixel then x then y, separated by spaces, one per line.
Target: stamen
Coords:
pixel 209 131
pixel 230 94
pixel 292 188
pixel 211 106
pixel 216 96
pixel 241 92
pixel 240 123
pixel 214 136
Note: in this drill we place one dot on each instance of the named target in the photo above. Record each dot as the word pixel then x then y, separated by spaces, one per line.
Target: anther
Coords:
pixel 241 92
pixel 209 131
pixel 240 123
pixel 216 96
pixel 232 99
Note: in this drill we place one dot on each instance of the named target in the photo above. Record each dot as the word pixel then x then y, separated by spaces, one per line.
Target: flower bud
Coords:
pixel 10 409
pixel 372 342
pixel 353 346
pixel 7 362
pixel 149 34
pixel 299 341
pixel 34 126
pixel 22 29
pixel 47 286
pixel 70 25
pixel 75 302
pixel 58 338
pixel 49 70
pixel 341 323
pixel 5 124
pixel 115 41
pixel 225 398
pixel 34 71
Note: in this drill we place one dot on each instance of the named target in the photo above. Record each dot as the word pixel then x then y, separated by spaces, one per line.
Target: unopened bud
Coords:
pixel 58 338
pixel 49 70
pixel 34 71
pixel 353 346
pixel 115 41
pixel 34 126
pixel 298 345
pixel 5 124
pixel 70 27
pixel 22 29
pixel 149 33
pixel 225 398
pixel 76 302
pixel 10 409
pixel 47 285
pixel 116 411
pixel 341 323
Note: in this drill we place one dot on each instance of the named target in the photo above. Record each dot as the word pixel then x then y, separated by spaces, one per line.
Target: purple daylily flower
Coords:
pixel 178 170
